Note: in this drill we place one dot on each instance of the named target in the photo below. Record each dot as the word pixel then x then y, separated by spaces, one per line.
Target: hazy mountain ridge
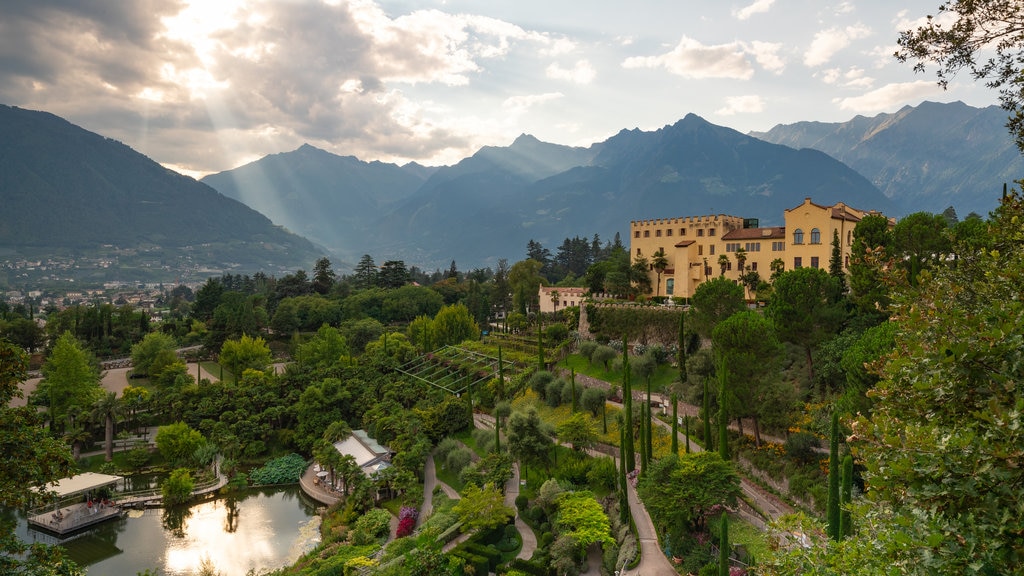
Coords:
pixel 926 157
pixel 489 205
pixel 64 187
pixel 325 197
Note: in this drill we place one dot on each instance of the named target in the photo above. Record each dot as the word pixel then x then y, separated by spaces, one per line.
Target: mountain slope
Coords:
pixel 64 187
pixel 320 195
pixel 690 168
pixel 927 157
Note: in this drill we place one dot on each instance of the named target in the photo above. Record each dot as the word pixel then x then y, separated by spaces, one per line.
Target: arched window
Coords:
pixel 815 236
pixel 798 236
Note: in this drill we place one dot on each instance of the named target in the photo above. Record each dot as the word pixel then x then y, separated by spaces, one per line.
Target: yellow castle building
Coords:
pixel 693 246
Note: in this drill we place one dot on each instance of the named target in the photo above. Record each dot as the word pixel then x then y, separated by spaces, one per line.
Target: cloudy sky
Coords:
pixel 207 85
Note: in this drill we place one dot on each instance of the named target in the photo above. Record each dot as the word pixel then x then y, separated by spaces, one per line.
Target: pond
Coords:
pixel 258 530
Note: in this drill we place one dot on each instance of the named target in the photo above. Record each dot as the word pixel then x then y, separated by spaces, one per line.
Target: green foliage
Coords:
pixel 177 488
pixel 580 517
pixel 152 354
pixel 920 241
pixel 482 508
pixel 593 400
pixel 70 378
pixel 245 353
pixel 846 495
pixel 714 301
pixel 326 349
pixel 31 458
pixel 283 470
pixel 680 491
pixel 941 447
pixel 833 480
pixel 529 439
pixel 371 526
pixel 800 446
pixel 645 323
pixel 178 442
pixel 805 309
pixel 747 353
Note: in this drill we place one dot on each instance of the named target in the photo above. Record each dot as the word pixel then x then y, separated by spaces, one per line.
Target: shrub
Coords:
pixel 587 348
pixel 484 439
pixel 601 475
pixel 556 333
pixel 458 459
pixel 800 446
pixel 603 355
pixel 371 526
pixel 539 382
pixel 522 502
pixel 407 516
pixel 445 447
pixel 553 394
pixel 177 488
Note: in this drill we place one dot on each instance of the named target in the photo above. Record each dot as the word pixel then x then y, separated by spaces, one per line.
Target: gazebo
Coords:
pixel 74 505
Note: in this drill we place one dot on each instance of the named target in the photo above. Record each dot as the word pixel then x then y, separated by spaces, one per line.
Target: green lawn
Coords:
pixel 663 377
pixel 215 370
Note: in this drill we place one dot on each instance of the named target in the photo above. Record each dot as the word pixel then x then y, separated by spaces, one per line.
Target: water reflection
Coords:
pixel 173 520
pixel 260 531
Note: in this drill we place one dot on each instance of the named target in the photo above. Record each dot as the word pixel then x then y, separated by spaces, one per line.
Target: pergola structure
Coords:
pixel 73 507
pixel 454 369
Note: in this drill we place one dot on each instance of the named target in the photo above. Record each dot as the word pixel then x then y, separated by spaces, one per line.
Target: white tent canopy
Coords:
pixel 81 483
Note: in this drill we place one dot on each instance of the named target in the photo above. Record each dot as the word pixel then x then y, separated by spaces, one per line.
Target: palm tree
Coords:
pixel 778 266
pixel 741 259
pixel 723 261
pixel 76 435
pixel 554 299
pixel 108 408
pixel 659 262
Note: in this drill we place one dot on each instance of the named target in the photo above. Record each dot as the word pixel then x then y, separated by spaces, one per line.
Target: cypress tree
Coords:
pixel 623 491
pixel 845 521
pixel 627 404
pixel 675 424
pixel 644 423
pixel 501 377
pixel 649 424
pixel 572 383
pixel 723 417
pixel 540 346
pixel 723 547
pixel 707 417
pixel 833 479
pixel 687 421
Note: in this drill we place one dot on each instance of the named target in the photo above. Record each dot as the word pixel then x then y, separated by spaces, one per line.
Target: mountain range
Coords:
pixel 488 206
pixel 65 190
pixel 926 157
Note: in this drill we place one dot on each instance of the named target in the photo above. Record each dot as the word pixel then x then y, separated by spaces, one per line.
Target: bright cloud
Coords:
pixel 750 104
pixel 852 78
pixel 581 72
pixel 757 7
pixel 887 97
pixel 691 59
pixel 828 42
pixel 767 55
